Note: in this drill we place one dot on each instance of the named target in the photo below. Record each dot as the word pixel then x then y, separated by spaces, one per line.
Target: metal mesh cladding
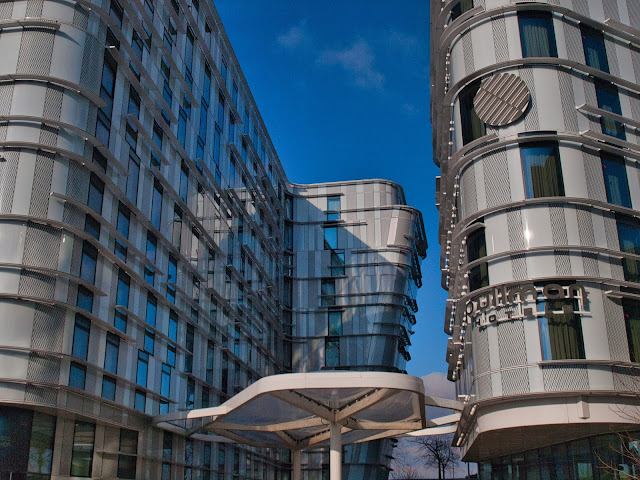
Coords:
pixel 561 378
pixel 496 178
pixel 35 52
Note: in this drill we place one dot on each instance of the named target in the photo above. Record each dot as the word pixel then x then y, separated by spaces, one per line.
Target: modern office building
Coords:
pixel 154 256
pixel 536 110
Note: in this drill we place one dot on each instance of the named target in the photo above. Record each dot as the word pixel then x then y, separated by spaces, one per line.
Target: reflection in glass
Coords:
pixel 615 179
pixel 542 170
pixel 82 453
pixel 537 36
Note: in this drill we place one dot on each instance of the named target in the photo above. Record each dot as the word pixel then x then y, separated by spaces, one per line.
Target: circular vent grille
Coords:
pixel 501 99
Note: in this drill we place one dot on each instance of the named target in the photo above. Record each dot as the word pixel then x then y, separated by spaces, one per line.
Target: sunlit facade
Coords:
pixel 155 257
pixel 535 110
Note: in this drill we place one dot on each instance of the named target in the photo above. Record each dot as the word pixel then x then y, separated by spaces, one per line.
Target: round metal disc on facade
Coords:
pixel 501 99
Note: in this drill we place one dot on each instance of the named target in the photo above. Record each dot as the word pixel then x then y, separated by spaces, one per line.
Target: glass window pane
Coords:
pixel 335 323
pixel 330 238
pixel 143 369
pixel 111 353
pixel 629 237
pixel 81 332
pixel 609 100
pixel 542 170
pixel 472 126
pixel 82 452
pixel 615 180
pixel 631 310
pixel 332 352
pixel 77 375
pixel 537 36
pixel 595 53
pixel 109 388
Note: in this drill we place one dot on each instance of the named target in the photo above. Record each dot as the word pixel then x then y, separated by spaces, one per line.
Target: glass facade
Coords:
pixel 542 170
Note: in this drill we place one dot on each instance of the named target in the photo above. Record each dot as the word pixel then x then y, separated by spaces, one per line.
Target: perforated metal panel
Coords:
pixel 481 362
pixel 500 43
pixel 41 185
pixel 77 182
pixel 611 230
pixel 519 267
pixel 8 172
pixel 42 395
pixel 80 16
pixel 34 8
pixel 35 52
pixel 590 264
pixel 611 9
pixel 612 57
pixel 41 246
pixel 511 343
pixel 48 328
pixel 573 40
pixel 53 103
pixel 633 7
pixel 35 284
pixel 6 10
pixel 567 97
pixel 616 330
pixel 595 179
pixel 43 368
pixel 626 379
pixel 531 121
pixel 91 64
pixel 617 271
pixel 469 202
pixel 563 262
pixel 467 49
pixel 560 378
pixel 582 6
pixel 591 99
pixel 48 135
pixel 516 233
pixel 558 224
pixel 6 97
pixel 585 226
pixel 496 178
pixel 515 381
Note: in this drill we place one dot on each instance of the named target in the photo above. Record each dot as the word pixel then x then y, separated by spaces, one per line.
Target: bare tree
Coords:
pixel 404 464
pixel 438 452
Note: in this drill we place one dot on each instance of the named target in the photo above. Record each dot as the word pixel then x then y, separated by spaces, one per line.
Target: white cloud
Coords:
pixel 358 61
pixel 295 37
pixel 402 41
pixel 437 385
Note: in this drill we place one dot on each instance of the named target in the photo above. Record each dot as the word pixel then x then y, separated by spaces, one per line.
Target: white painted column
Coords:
pixel 335 452
pixel 296 464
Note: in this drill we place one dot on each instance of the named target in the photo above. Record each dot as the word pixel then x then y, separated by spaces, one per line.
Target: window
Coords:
pixel 111 353
pixel 595 53
pixel 210 358
pixel 476 249
pixel 123 228
pixel 149 341
pixel 133 108
pixel 335 322
pixel 156 204
pixel 172 333
pixel 615 179
pixel 140 400
pixel 182 127
pixel 542 170
pixel 631 309
pixel 471 125
pixel 134 175
pixel 77 375
pixel 96 192
pixel 537 36
pixel 461 7
pixel 143 368
pixel 629 237
pixel 328 292
pixel 333 208
pixel 560 329
pixel 165 387
pixel 184 182
pixel 330 238
pixel 88 262
pixel 189 341
pixel 122 299
pixel 172 277
pixel 188 57
pixel 609 100
pixel 128 450
pixel 332 352
pixel 85 299
pixel 151 249
pixel 191 393
pixel 92 226
pixel 109 388
pixel 81 331
pixel 337 262
pixel 152 308
pixel 82 452
pixel 176 235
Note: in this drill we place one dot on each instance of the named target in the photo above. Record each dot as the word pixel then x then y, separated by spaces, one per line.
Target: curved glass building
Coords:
pixel 155 257
pixel 536 109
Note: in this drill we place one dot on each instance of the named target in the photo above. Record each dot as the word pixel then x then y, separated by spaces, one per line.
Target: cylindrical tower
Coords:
pixel 535 110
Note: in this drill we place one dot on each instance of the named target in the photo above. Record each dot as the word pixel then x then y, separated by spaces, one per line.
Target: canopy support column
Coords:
pixel 335 452
pixel 296 464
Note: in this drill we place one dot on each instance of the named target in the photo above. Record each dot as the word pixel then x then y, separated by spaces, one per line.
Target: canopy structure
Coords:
pixel 302 411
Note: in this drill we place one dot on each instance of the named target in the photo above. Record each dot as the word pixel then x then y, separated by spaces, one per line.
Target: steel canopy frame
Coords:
pixel 302 411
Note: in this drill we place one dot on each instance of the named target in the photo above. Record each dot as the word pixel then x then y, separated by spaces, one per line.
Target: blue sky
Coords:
pixel 343 89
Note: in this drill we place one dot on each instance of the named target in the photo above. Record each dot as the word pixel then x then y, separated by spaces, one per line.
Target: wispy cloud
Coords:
pixel 402 41
pixel 358 60
pixel 295 37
